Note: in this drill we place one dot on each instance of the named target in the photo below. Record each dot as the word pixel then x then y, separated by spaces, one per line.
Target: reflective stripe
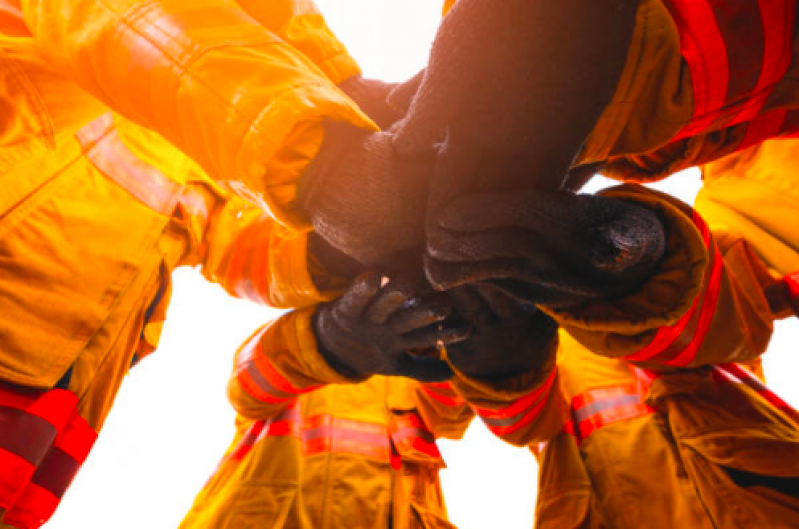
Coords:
pixel 678 344
pixel 736 51
pixel 411 433
pixel 599 407
pixel 521 412
pixel 442 392
pixel 247 271
pixel 763 127
pixel 326 433
pixel 102 145
pixel 259 378
pixel 43 443
pixel 792 281
pixel 29 424
pixel 736 373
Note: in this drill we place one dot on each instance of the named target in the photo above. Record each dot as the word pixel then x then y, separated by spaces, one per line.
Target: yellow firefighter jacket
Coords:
pixel 315 451
pixel 96 210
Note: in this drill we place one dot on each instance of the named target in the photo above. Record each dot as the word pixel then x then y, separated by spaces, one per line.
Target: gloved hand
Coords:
pixel 373 330
pixel 362 197
pixel 508 338
pixel 505 90
pixel 556 249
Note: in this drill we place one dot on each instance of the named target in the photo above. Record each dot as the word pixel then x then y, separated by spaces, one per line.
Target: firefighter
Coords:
pixel 322 441
pixel 98 210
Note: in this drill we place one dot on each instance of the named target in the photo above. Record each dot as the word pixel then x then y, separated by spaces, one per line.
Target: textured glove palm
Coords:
pixel 373 330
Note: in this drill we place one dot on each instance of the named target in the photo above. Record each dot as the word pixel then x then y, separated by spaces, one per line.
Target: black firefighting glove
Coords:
pixel 388 330
pixel 361 196
pixel 556 249
pixel 508 338
pixel 513 88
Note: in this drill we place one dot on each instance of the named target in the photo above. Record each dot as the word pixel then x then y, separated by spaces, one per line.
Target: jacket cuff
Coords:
pixel 279 158
pixel 617 327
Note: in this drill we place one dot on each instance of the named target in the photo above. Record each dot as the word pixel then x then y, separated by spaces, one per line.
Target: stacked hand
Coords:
pixel 507 338
pixel 555 249
pixel 394 329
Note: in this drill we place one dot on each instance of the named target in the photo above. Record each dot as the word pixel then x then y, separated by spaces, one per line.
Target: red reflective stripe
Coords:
pixel 582 400
pixel 610 416
pixel 239 255
pixel 526 419
pixel 426 447
pixel 326 433
pixel 668 334
pixel 15 475
pixel 520 404
pixel 705 316
pixel 249 358
pixel 33 508
pixel 745 37
pixel 600 407
pixel 792 281
pixel 77 439
pixel 703 48
pixel 54 406
pixel 763 127
pixel 432 390
pixel 777 19
pixel 736 50
pixel 750 380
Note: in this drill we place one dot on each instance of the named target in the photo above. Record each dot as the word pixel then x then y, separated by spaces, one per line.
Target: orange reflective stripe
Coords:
pixel 736 51
pixel 678 344
pixel 443 393
pixel 110 155
pixel 259 378
pixel 321 433
pixel 520 413
pixel 411 433
pixel 600 407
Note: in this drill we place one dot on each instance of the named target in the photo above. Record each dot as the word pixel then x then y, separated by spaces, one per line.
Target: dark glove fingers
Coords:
pixel 401 291
pixel 447 245
pixel 513 277
pixel 427 313
pixel 422 368
pixel 353 302
pixel 431 337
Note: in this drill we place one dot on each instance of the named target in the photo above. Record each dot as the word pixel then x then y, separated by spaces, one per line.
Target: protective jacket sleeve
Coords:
pixel 443 409
pixel 277 364
pixel 704 305
pixel 243 249
pixel 226 90
pixel 302 25
pixel 524 409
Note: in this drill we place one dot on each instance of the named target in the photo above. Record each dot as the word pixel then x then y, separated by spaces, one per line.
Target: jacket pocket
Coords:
pixel 66 254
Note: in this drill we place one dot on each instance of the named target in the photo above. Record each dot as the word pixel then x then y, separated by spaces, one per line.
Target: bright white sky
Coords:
pixel 171 422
